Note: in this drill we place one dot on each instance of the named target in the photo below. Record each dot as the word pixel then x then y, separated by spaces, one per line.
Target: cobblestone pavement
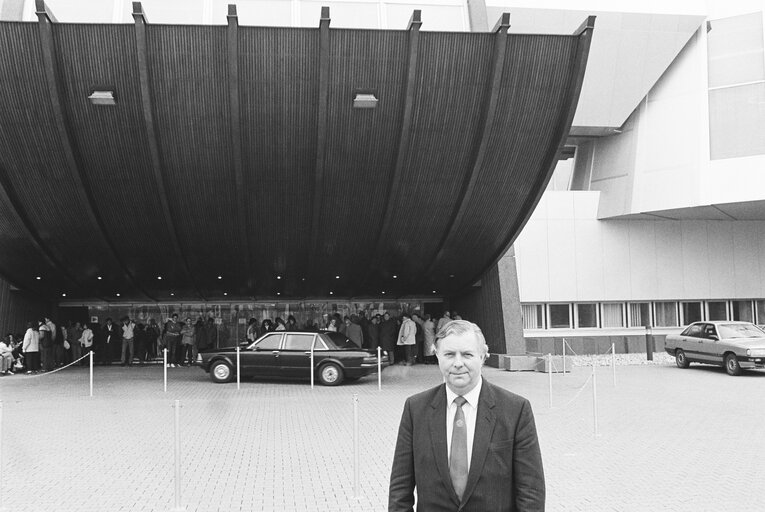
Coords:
pixel 670 439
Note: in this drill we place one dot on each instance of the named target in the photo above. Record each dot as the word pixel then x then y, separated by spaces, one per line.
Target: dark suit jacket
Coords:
pixel 505 468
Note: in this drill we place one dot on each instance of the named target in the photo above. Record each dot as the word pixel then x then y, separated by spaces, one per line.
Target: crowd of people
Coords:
pixel 46 346
pixel 408 339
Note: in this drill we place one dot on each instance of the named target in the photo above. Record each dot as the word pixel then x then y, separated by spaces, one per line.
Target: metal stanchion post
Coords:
pixel 91 373
pixel 594 401
pixel 178 507
pixel 238 379
pixel 549 376
pixel 379 369
pixel 649 343
pixel 312 369
pixel 564 357
pixel 164 366
pixel 613 361
pixel 356 468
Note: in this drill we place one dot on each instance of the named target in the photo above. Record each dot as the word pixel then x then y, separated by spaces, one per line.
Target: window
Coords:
pixel 736 74
pixel 298 342
pixel 533 316
pixel 612 314
pixel 270 342
pixel 559 315
pixel 665 314
pixel 640 314
pixel 760 305
pixel 717 310
pixel 742 311
pixel 694 331
pixel 586 315
pixel 691 312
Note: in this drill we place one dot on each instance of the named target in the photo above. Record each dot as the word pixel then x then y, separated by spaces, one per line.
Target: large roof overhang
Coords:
pixel 233 164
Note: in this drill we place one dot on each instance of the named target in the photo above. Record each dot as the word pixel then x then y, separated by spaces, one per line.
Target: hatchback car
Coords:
pixel 288 354
pixel 734 345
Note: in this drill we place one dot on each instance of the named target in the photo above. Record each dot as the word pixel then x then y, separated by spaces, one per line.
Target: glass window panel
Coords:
pixel 691 312
pixel 640 314
pixel 735 50
pixel 612 315
pixel 586 315
pixel 717 310
pixel 742 311
pixel 298 342
pixel 532 316
pixel 737 121
pixel 760 305
pixel 270 342
pixel 560 315
pixel 665 314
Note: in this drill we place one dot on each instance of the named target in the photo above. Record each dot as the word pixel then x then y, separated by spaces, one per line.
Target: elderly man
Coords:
pixel 466 445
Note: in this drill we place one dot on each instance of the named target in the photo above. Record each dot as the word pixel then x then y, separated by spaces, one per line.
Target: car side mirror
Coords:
pixel 714 337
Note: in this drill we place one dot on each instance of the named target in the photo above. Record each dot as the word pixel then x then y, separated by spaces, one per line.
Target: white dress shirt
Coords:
pixel 470 409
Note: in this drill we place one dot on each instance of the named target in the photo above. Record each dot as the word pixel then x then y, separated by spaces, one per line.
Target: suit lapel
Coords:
pixel 484 428
pixel 437 419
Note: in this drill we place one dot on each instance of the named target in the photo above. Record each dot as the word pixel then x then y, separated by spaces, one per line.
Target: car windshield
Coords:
pixel 340 339
pixel 740 331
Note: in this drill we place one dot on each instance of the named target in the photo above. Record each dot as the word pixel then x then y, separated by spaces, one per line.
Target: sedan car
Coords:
pixel 288 354
pixel 734 345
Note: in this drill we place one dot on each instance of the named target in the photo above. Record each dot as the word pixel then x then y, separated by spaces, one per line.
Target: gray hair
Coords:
pixel 459 327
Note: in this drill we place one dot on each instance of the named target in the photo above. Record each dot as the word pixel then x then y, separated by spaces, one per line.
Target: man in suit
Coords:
pixel 466 445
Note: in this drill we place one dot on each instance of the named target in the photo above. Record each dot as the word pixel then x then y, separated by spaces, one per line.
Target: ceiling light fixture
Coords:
pixel 159 278
pixel 118 295
pixel 331 293
pixel 278 277
pixel 364 100
pixel 172 294
pixel 102 97
pixel 220 277
pixel 63 295
pixel 395 276
pixel 38 278
pixel 225 293
pixel 337 277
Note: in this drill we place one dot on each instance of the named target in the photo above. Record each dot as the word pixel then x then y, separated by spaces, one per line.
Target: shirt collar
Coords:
pixel 471 396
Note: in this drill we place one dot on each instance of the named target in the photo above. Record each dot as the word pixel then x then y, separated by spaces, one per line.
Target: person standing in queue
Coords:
pixel 466 445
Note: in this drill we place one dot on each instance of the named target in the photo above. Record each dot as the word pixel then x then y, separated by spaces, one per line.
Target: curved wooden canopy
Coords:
pixel 234 165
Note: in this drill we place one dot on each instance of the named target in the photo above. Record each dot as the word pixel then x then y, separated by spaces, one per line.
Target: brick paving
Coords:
pixel 670 439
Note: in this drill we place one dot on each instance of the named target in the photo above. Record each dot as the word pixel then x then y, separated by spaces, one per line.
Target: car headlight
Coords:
pixel 756 352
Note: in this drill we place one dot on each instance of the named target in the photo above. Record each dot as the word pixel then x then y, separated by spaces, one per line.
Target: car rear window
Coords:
pixel 339 339
pixel 740 331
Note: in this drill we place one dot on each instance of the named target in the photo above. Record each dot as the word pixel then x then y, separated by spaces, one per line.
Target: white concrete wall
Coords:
pixel 566 254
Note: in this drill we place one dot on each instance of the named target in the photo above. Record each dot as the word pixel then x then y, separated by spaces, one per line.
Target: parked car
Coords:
pixel 288 354
pixel 734 345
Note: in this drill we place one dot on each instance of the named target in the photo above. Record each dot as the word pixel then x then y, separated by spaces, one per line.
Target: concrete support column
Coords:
pixel 512 317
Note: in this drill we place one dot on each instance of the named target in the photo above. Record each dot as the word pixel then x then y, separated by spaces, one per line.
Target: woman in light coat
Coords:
pixel 407 337
pixel 31 348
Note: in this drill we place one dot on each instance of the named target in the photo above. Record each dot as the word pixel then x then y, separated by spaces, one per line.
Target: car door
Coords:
pixel 295 357
pixel 691 341
pixel 707 345
pixel 262 357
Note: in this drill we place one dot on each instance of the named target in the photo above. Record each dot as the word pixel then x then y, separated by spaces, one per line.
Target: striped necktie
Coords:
pixel 458 459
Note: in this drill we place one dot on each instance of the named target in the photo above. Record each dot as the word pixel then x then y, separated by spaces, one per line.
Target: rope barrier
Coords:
pixel 63 367
pixel 578 392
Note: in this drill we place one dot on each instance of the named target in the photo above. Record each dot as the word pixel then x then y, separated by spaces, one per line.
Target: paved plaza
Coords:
pixel 670 439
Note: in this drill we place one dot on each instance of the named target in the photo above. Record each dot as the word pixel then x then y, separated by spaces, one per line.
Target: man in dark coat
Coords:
pixel 388 335
pixel 466 445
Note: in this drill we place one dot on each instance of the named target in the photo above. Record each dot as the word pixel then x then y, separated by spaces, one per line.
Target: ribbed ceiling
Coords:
pixel 236 152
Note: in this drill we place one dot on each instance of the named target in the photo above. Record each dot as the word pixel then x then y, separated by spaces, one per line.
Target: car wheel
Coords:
pixel 330 374
pixel 681 360
pixel 731 365
pixel 221 372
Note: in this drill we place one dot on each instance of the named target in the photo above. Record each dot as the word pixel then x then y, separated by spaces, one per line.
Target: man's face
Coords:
pixel 460 358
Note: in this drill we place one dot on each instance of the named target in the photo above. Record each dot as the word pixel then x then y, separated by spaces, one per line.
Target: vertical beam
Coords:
pixel 15 205
pixel 321 137
pixel 489 116
pixel 142 53
pixel 405 130
pixel 236 136
pixel 47 44
pixel 577 70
